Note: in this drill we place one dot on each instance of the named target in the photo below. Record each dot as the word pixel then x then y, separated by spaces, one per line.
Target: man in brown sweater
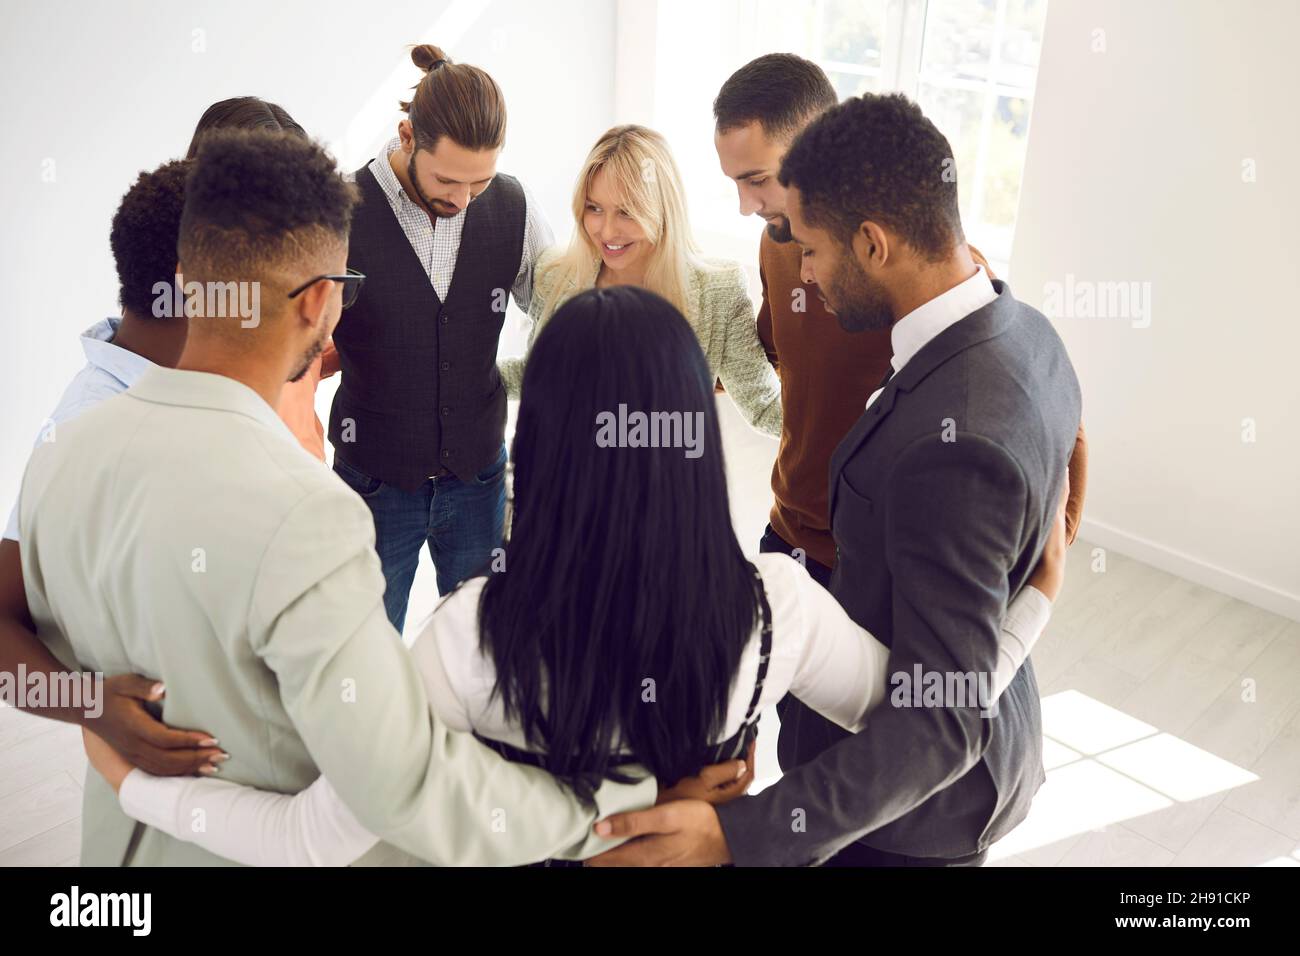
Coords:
pixel 827 374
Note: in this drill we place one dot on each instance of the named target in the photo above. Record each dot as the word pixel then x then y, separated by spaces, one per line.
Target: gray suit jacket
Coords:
pixel 941 499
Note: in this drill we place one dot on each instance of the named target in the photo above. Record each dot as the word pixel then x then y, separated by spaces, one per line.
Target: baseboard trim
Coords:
pixel 1193 569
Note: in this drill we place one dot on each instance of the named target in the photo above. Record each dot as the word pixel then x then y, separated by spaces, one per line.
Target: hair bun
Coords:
pixel 428 57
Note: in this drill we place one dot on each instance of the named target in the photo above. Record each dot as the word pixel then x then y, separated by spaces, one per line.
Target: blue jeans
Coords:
pixel 461 522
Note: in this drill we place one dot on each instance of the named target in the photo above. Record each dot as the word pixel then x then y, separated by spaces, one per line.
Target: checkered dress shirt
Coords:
pixel 438 248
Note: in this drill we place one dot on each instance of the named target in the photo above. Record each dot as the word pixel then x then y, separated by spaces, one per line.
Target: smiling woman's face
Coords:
pixel 622 243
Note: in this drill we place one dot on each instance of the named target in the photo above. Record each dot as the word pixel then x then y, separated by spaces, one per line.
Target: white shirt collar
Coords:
pixel 914 331
pixel 383 173
pixel 122 364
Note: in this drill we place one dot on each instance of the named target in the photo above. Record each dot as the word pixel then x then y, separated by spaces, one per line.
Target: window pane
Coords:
pixel 853 32
pixel 958 38
pixel 853 84
pixel 982 55
pixel 1022 41
pixel 957 115
pixel 1006 159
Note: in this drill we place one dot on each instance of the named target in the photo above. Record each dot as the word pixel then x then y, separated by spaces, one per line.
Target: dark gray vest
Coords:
pixel 420 389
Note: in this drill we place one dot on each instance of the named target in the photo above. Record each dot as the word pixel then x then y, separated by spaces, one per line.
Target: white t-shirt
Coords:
pixel 818 654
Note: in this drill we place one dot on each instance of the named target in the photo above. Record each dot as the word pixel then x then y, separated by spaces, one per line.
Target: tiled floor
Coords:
pixel 1171 716
pixel 41 767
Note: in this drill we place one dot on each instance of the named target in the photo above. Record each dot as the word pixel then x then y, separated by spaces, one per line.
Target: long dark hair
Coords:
pixel 625 602
pixel 243 112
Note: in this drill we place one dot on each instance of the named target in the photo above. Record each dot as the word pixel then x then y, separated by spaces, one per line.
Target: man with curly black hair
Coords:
pixel 297 399
pixel 268 211
pixel 143 238
pixel 244 575
pixel 942 497
pixel 118 349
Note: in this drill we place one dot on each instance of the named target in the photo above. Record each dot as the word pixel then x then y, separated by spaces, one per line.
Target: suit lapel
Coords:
pixel 982 324
pixel 859 433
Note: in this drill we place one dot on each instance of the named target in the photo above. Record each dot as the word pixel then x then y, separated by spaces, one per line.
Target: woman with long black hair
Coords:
pixel 621 631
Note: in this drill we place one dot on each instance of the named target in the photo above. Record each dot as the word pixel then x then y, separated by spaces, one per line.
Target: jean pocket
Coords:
pixel 361 483
pixel 494 472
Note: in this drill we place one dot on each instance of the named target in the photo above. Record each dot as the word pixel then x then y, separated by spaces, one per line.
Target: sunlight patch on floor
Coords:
pixel 1105 767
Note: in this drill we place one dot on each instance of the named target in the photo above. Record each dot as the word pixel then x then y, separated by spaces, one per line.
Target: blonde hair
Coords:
pixel 645 178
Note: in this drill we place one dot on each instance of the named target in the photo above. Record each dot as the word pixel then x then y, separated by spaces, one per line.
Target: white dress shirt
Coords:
pixel 438 247
pixel 818 654
pixel 915 330
pixel 109 370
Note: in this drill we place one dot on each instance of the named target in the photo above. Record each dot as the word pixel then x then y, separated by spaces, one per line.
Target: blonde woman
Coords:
pixel 631 229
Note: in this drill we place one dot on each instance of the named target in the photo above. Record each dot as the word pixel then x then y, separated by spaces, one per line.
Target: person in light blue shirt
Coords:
pixel 110 368
pixel 118 350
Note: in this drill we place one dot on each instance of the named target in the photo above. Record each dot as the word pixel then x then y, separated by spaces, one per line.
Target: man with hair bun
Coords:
pixel 418 422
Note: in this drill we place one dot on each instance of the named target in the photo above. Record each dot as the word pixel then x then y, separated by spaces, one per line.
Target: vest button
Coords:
pixel 446 409
pixel 445 366
pixel 446 453
pixel 445 318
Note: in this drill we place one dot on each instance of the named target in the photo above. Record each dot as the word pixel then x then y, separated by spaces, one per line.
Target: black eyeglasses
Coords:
pixel 352 283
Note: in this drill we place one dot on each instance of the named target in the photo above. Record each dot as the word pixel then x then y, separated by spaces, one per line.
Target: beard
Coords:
pixel 436 207
pixel 778 230
pixel 859 304
pixel 310 356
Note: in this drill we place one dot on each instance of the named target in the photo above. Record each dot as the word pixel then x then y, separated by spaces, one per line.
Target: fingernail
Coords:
pixel 221 757
pixel 209 769
pixel 603 828
pixel 209 742
pixel 157 690
pixel 740 771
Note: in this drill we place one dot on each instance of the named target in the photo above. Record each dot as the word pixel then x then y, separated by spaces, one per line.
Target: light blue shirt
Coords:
pixel 110 370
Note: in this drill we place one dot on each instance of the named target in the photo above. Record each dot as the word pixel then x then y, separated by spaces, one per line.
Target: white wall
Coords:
pixel 1135 172
pixel 105 90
